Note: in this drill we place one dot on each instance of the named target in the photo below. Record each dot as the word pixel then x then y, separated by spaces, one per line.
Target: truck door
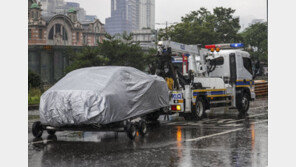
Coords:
pixel 232 65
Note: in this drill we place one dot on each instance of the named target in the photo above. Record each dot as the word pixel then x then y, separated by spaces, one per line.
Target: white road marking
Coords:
pixel 231 125
pixel 221 133
pixel 223 120
pixel 42 141
pixel 213 135
pixel 260 121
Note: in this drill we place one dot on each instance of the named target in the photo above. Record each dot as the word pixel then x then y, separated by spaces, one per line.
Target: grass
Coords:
pixel 34 96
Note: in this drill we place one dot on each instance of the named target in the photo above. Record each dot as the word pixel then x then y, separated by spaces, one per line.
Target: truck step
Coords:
pixel 220 101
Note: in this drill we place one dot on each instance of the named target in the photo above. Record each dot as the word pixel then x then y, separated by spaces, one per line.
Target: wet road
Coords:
pixel 222 139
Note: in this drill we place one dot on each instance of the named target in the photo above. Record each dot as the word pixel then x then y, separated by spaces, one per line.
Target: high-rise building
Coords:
pixel 130 15
pixel 123 17
pixel 146 14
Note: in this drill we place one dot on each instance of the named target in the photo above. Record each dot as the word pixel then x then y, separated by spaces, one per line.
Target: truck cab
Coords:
pixel 234 66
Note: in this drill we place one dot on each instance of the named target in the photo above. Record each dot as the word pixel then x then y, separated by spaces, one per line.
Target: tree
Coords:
pixel 88 57
pixel 255 39
pixel 114 51
pixel 34 80
pixel 204 27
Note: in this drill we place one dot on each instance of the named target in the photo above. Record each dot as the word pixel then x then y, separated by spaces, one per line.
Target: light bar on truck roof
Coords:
pixel 226 46
pixel 237 45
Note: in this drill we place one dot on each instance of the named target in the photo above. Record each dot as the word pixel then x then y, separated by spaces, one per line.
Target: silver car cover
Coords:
pixel 102 95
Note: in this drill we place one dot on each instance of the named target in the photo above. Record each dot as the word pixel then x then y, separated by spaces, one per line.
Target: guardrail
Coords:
pixel 261 88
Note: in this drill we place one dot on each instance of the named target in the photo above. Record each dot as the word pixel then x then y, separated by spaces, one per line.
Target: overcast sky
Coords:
pixel 173 10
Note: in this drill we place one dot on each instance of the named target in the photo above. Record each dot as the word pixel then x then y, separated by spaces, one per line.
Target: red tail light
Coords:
pixel 174 107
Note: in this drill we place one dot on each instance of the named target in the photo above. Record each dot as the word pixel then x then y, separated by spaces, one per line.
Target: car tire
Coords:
pixel 37 129
pixel 143 128
pixel 131 131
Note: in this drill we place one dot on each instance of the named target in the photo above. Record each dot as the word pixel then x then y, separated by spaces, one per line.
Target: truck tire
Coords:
pixel 198 110
pixel 131 131
pixel 37 129
pixel 243 103
pixel 143 128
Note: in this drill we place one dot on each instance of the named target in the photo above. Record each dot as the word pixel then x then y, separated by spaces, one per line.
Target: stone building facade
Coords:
pixel 62 29
pixel 49 38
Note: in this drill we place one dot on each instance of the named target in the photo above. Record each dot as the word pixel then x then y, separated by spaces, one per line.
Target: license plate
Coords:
pixel 177 96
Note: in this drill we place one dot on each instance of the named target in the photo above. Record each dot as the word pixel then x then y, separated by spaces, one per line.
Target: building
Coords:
pixel 123 17
pixel 147 38
pixel 30 2
pixel 81 13
pixel 90 17
pixel 50 37
pixel 59 29
pixel 51 7
pixel 146 14
pixel 130 16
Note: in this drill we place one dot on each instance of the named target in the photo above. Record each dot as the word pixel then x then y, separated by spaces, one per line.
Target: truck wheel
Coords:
pixel 37 129
pixel 243 103
pixel 51 132
pixel 143 128
pixel 198 111
pixel 131 131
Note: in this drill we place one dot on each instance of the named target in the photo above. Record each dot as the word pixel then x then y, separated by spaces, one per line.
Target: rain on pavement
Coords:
pixel 221 139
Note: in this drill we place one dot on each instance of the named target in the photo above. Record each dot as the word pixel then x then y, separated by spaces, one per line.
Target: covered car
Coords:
pixel 102 95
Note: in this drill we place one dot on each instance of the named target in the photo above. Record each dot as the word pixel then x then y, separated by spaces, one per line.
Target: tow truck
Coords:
pixel 217 76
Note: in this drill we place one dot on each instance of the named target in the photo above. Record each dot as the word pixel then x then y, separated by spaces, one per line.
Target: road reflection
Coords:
pixel 165 146
pixel 179 142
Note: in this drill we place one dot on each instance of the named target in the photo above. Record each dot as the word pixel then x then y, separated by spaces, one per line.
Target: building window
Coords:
pixel 50 36
pixel 85 40
pixel 65 35
pixel 32 15
pixel 77 36
pixel 40 34
pixel 30 33
pixel 58 29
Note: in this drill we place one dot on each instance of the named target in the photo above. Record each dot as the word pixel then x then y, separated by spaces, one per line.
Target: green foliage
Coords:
pixel 204 27
pixel 34 95
pixel 89 56
pixel 114 51
pixel 34 80
pixel 255 39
